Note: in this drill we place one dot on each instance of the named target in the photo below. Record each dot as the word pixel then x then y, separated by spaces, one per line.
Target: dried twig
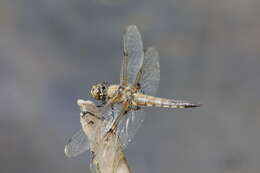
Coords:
pixel 107 152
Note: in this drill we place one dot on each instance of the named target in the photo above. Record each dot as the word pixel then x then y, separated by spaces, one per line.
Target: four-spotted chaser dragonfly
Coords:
pixel 101 147
pixel 139 80
pixel 122 104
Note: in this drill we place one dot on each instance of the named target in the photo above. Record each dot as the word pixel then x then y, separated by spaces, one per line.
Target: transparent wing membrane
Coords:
pixel 129 125
pixel 110 114
pixel 77 144
pixel 150 72
pixel 123 72
pixel 133 49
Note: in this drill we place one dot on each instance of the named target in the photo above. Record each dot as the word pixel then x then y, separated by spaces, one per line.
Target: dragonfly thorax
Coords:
pixel 99 91
pixel 128 93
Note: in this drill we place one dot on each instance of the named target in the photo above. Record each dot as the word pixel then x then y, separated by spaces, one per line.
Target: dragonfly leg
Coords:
pixel 123 111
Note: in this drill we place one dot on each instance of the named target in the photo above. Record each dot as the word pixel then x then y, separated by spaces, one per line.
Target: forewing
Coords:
pixel 77 144
pixel 124 71
pixel 133 49
pixel 129 125
pixel 150 72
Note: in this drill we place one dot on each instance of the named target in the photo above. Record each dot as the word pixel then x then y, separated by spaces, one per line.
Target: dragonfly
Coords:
pixel 122 104
pixel 121 111
pixel 107 153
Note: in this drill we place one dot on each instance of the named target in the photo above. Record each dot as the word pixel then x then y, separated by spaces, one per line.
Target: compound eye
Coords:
pixel 99 92
pixel 93 89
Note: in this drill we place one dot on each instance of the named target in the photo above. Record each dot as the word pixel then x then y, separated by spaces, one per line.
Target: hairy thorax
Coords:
pixel 121 94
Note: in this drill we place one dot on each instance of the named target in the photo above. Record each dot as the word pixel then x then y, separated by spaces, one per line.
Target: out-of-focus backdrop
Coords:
pixel 53 51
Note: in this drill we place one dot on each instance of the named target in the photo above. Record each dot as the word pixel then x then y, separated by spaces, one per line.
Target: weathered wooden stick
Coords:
pixel 107 152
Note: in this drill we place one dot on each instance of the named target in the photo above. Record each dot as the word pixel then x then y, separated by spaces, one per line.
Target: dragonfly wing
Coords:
pixel 133 49
pixel 77 144
pixel 150 72
pixel 129 125
pixel 123 72
pixel 110 112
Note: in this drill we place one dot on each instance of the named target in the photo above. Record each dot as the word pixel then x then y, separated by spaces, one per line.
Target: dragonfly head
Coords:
pixel 99 91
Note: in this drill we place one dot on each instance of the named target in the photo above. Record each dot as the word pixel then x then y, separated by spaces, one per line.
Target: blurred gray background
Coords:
pixel 53 51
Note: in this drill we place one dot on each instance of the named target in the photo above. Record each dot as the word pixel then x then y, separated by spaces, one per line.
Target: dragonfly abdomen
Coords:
pixel 151 101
